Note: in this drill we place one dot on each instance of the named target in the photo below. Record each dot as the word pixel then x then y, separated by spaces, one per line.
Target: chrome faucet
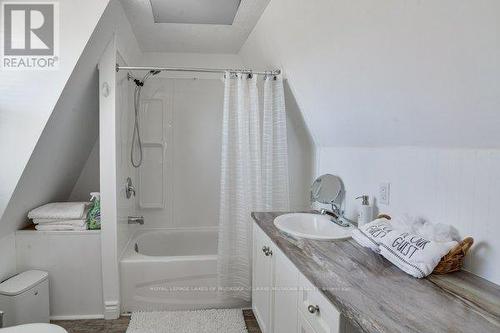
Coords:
pixel 336 216
pixel 324 211
pixel 1 319
pixel 136 220
pixel 335 212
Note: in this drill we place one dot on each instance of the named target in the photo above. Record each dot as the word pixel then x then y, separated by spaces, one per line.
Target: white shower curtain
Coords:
pixel 274 147
pixel 242 189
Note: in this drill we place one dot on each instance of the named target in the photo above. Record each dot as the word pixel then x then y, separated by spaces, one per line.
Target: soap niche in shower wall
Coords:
pixel 152 171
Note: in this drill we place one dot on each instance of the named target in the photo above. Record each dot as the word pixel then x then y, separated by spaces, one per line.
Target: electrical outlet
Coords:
pixel 384 193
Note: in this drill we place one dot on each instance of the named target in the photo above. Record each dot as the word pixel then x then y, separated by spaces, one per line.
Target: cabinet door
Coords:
pixel 303 325
pixel 262 279
pixel 286 280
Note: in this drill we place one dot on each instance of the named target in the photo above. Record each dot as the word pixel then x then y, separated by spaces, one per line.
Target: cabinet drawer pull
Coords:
pixel 313 308
pixel 267 251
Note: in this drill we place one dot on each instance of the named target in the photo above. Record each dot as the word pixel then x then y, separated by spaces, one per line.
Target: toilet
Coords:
pixel 24 299
pixel 34 328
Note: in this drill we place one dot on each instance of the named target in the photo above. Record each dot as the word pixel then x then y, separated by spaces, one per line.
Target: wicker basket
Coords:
pixel 454 260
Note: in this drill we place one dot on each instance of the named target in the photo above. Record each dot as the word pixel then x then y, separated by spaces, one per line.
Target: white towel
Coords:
pixel 76 223
pixel 376 230
pixel 418 225
pixel 412 253
pixel 60 210
pixel 45 227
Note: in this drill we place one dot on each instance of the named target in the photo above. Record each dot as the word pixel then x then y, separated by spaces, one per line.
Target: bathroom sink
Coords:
pixel 312 226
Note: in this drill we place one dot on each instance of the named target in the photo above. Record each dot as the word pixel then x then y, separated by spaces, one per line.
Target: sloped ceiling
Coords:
pixel 72 129
pixel 29 97
pixel 198 38
pixel 386 73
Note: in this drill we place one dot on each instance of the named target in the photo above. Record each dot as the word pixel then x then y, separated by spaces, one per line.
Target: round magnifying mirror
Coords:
pixel 327 189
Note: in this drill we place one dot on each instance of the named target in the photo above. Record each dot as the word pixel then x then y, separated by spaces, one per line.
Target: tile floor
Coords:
pixel 120 325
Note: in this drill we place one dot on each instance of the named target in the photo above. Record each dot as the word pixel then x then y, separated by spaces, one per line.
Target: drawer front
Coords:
pixel 316 309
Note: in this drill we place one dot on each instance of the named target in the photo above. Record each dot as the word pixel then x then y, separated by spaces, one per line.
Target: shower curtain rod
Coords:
pixel 201 70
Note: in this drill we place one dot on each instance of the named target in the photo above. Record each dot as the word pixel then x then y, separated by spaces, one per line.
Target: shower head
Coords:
pixel 154 72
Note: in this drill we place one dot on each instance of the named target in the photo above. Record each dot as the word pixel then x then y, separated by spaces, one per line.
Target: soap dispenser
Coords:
pixel 365 211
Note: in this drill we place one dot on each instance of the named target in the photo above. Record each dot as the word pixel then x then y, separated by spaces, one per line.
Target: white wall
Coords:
pixel 8 258
pixel 88 181
pixel 452 186
pixel 73 261
pixel 29 97
pixel 122 48
pixel 210 60
pixel 124 122
pixel 301 154
pixel 391 72
pixel 27 100
pixel 190 127
pixel 108 180
pixel 69 135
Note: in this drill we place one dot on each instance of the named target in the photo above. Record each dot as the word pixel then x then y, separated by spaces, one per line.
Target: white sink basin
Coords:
pixel 313 226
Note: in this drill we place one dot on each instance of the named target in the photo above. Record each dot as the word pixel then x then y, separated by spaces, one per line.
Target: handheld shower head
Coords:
pixel 136 136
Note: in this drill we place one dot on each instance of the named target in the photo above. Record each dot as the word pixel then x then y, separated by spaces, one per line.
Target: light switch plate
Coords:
pixel 384 193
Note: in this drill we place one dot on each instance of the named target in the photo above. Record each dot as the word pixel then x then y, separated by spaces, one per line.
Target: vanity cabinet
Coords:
pixel 284 300
pixel 262 278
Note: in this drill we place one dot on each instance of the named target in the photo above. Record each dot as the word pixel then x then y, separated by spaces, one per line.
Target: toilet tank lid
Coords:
pixel 21 282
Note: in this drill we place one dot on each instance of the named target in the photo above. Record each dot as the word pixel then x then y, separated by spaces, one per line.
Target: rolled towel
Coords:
pixel 414 254
pixel 410 252
pixel 371 233
pixel 75 223
pixel 46 227
pixel 60 210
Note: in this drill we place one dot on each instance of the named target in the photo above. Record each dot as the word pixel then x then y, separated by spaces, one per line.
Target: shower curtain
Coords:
pixel 254 173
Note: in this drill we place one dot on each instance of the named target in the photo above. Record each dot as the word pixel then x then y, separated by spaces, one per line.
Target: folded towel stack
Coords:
pixel 411 252
pixel 69 216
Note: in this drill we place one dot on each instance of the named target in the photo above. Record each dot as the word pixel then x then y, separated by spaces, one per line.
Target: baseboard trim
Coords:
pixel 77 317
pixel 111 310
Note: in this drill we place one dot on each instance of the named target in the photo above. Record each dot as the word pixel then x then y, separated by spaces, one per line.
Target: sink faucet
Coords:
pixel 335 212
pixel 336 216
pixel 324 211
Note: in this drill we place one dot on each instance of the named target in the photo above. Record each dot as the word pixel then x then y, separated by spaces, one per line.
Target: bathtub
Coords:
pixel 164 269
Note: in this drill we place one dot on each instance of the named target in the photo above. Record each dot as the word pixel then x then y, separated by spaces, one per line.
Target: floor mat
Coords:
pixel 206 321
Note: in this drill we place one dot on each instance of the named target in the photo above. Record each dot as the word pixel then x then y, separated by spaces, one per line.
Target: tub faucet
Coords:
pixel 129 188
pixel 136 220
